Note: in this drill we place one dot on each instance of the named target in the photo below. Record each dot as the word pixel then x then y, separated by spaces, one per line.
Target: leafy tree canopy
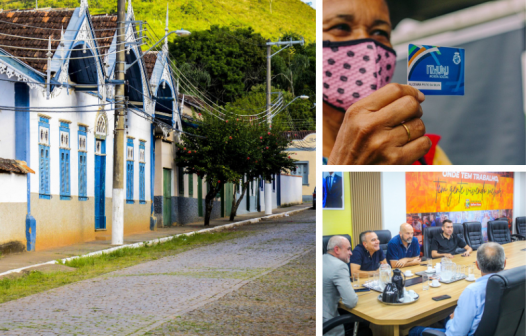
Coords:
pixel 233 58
pixel 300 115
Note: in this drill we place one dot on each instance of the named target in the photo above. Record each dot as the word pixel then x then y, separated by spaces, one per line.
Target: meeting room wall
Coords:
pixel 393 188
pixel 519 196
pixel 393 201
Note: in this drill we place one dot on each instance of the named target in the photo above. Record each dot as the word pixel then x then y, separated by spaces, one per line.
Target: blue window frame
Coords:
pixel 129 171
pixel 142 178
pixel 273 182
pixel 43 153
pixel 83 165
pixel 64 155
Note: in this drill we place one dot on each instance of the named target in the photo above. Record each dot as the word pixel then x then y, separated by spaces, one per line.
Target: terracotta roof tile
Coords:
pixel 149 60
pixel 105 26
pixel 14 166
pixel 56 18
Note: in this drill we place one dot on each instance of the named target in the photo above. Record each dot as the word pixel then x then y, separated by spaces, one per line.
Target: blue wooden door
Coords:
pixel 100 185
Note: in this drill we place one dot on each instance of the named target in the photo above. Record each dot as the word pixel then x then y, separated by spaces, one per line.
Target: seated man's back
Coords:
pixel 336 281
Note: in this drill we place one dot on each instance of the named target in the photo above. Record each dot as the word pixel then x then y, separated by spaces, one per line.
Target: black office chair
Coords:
pixel 326 241
pixel 347 319
pixel 429 233
pixel 458 229
pixel 499 232
pixel 473 234
pixel 384 236
pixel 504 308
pixel 520 226
pixel 339 320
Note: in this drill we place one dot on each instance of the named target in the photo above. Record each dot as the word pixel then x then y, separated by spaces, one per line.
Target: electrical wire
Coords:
pixel 204 97
pixel 59 40
pixel 196 90
pixel 160 123
pixel 64 49
pixel 57 107
pixel 59 29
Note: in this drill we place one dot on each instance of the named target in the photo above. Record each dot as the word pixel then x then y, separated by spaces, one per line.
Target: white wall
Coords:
pixel 7 119
pixel 519 196
pixel 13 187
pixel 137 127
pixel 393 201
pixel 291 189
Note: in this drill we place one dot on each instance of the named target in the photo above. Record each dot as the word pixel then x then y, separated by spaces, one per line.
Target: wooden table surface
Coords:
pixel 370 309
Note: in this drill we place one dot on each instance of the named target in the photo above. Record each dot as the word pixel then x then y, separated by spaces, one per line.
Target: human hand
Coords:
pixel 400 263
pixel 372 130
pixel 466 254
pixel 449 255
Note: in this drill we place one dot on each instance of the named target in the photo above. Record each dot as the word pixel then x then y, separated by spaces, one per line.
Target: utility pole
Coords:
pixel 268 184
pixel 117 229
pixel 285 44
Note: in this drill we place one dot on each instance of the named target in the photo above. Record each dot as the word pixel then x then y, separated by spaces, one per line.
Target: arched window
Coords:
pixel 101 126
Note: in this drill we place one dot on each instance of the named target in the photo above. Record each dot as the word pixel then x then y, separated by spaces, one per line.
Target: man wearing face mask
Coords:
pixel 366 120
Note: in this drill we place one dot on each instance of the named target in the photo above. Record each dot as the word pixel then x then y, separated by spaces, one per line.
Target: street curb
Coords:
pixel 159 240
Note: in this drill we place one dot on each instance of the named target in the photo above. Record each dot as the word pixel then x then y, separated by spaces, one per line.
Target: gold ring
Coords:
pixel 408 133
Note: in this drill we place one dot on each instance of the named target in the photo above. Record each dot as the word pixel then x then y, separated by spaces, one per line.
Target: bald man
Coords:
pixel 403 250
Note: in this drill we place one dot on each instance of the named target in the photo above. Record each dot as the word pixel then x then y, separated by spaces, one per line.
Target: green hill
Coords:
pixel 194 15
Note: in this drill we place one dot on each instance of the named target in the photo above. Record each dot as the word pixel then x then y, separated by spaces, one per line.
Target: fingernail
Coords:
pixel 421 96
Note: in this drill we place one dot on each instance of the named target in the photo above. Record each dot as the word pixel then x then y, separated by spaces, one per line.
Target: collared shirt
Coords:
pixel 360 256
pixel 336 285
pixel 396 249
pixel 470 307
pixel 443 245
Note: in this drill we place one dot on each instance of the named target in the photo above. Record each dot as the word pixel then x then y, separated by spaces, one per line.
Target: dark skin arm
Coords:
pixel 371 131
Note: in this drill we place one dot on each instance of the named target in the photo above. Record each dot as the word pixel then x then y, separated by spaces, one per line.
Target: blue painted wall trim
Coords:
pixel 22 138
pixel 152 175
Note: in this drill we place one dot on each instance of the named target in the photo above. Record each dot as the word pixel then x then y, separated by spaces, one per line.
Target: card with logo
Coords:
pixel 436 70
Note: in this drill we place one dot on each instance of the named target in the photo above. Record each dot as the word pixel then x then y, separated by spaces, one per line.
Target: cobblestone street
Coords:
pixel 228 284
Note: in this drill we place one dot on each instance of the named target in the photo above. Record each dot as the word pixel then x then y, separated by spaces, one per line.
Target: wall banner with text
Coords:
pixel 461 197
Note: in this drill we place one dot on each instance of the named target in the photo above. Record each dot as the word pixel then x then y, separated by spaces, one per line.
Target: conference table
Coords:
pixel 387 320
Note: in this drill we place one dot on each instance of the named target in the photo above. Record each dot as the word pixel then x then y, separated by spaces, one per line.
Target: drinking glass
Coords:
pixel 445 273
pixel 429 263
pixel 355 280
pixel 454 271
pixel 471 270
pixel 425 281
pixel 370 280
pixel 461 269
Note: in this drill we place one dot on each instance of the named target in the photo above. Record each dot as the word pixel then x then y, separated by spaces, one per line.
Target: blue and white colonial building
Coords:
pixel 57 87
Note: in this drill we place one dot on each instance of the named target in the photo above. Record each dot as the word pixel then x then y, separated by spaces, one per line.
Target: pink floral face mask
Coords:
pixel 352 70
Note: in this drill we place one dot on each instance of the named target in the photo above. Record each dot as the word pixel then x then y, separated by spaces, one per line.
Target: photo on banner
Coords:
pixel 432 197
pixel 333 195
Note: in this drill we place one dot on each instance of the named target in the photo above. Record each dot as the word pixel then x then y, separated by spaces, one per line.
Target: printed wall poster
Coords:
pixel 333 191
pixel 432 197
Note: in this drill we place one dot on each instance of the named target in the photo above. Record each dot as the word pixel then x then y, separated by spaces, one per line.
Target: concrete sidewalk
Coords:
pixel 29 259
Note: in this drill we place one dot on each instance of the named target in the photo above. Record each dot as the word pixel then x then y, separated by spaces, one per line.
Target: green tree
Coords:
pixel 213 150
pixel 268 157
pixel 234 58
pixel 294 69
pixel 297 116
